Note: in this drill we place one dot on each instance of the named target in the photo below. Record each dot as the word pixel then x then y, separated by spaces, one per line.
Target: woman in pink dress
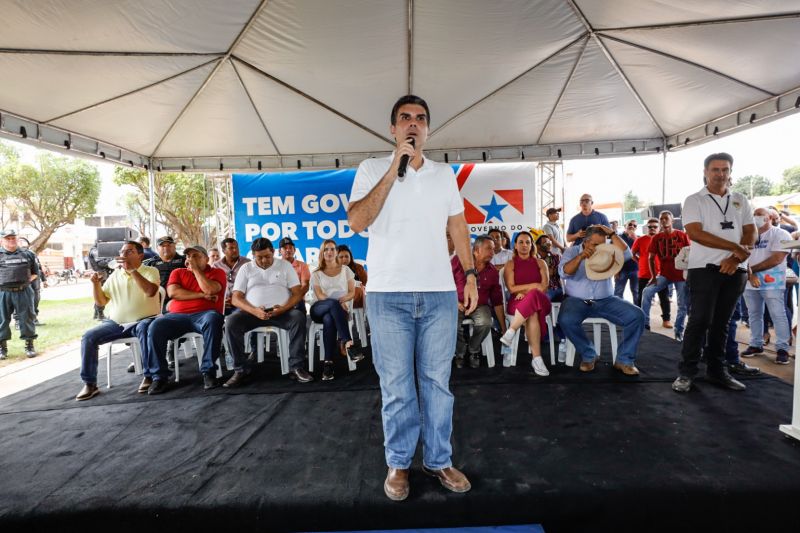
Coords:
pixel 526 277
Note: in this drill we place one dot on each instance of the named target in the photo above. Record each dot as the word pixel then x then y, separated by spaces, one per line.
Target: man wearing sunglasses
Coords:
pixel 630 269
pixel 587 217
pixel 665 246
pixel 641 252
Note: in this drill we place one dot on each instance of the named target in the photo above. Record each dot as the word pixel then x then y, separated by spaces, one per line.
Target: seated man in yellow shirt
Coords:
pixel 131 297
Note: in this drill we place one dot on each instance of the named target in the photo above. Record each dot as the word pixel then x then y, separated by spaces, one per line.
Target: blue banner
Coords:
pixel 307 206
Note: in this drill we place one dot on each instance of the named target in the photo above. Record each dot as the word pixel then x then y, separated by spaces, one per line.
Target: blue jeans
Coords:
pixel 108 331
pixel 174 325
pixel 731 346
pixel 660 284
pixel 415 331
pixel 616 310
pixel 774 301
pixel 333 317
pixel 632 278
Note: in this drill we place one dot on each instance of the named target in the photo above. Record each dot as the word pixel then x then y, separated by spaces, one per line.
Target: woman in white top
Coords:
pixel 334 288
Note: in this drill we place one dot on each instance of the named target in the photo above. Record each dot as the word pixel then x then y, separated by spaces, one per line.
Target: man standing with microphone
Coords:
pixel 412 305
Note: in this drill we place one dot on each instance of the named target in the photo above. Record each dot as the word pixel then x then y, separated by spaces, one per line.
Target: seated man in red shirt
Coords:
pixel 197 305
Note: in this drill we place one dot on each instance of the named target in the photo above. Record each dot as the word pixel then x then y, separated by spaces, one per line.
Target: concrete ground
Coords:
pixel 765 361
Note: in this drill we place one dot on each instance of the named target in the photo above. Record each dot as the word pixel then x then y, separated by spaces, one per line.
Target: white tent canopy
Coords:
pixel 271 84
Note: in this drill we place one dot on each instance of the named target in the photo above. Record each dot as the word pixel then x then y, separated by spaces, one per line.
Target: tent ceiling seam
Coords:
pixel 711 22
pixel 410 51
pixel 252 103
pixel 134 91
pixel 511 81
pixel 314 100
pixel 610 58
pixel 101 53
pixel 688 62
pixel 213 73
pixel 563 90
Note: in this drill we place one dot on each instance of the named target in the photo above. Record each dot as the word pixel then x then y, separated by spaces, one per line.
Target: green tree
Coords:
pixel 183 203
pixel 54 194
pixel 9 157
pixel 790 182
pixel 631 202
pixel 761 186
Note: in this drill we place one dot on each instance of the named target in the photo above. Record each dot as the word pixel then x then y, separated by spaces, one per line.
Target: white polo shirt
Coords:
pixel 407 249
pixel 767 243
pixel 707 209
pixel 265 287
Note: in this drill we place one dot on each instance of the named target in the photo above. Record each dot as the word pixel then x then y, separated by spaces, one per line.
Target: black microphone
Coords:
pixel 401 170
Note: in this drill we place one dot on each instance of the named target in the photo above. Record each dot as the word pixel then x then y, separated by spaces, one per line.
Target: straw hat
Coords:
pixel 606 261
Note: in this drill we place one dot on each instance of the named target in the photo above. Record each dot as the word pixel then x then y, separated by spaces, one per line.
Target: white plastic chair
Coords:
pixel 597 324
pixel 196 340
pixel 315 339
pixel 133 342
pixel 359 316
pixel 487 346
pixel 282 338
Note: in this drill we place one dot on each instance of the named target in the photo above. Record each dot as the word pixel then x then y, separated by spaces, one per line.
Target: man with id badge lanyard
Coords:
pixel 719 223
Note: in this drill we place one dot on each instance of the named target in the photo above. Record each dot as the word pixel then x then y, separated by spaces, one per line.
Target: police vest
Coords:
pixel 15 268
pixel 165 268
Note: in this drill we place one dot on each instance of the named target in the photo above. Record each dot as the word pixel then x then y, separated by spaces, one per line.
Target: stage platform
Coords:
pixel 572 452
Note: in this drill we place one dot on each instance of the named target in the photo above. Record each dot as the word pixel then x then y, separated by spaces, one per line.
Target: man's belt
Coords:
pixel 14 289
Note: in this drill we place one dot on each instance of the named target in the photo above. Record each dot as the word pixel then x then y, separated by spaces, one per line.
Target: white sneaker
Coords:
pixel 539 368
pixel 562 351
pixel 508 337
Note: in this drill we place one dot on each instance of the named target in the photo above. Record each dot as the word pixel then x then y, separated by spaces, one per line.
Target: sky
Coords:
pixel 767 150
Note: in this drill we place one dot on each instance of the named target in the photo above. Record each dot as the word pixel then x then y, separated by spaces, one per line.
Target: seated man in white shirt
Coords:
pixel 266 293
pixel 501 255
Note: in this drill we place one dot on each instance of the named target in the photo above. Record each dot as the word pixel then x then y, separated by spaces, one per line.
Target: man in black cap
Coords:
pixel 553 230
pixel 167 259
pixel 288 250
pixel 17 270
pixel 165 262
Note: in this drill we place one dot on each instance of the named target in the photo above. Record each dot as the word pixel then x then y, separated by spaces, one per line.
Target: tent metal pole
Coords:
pixel 151 186
pixel 664 177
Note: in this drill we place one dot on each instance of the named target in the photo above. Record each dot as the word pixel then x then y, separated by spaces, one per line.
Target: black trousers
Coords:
pixel 663 299
pixel 714 296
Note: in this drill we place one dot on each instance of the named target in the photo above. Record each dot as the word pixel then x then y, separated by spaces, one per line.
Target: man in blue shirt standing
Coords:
pixel 578 224
pixel 587 270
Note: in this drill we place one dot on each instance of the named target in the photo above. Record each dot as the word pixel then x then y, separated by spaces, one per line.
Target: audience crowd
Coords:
pixel 727 264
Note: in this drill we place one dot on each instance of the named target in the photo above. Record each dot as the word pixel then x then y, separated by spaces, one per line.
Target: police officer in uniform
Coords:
pixel 165 262
pixel 17 270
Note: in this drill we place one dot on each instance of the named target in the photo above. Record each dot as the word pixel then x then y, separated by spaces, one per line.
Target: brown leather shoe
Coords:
pixel 667 324
pixel 588 366
pixel 88 391
pixel 396 485
pixel 144 386
pixel 628 370
pixel 451 478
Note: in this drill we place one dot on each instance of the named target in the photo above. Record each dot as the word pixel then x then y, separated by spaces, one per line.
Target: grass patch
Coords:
pixel 64 321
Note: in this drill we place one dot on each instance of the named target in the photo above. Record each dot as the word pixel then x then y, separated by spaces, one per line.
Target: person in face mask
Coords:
pixel 766 286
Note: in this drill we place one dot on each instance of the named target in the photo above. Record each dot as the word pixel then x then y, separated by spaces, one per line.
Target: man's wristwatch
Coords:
pixel 473 272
